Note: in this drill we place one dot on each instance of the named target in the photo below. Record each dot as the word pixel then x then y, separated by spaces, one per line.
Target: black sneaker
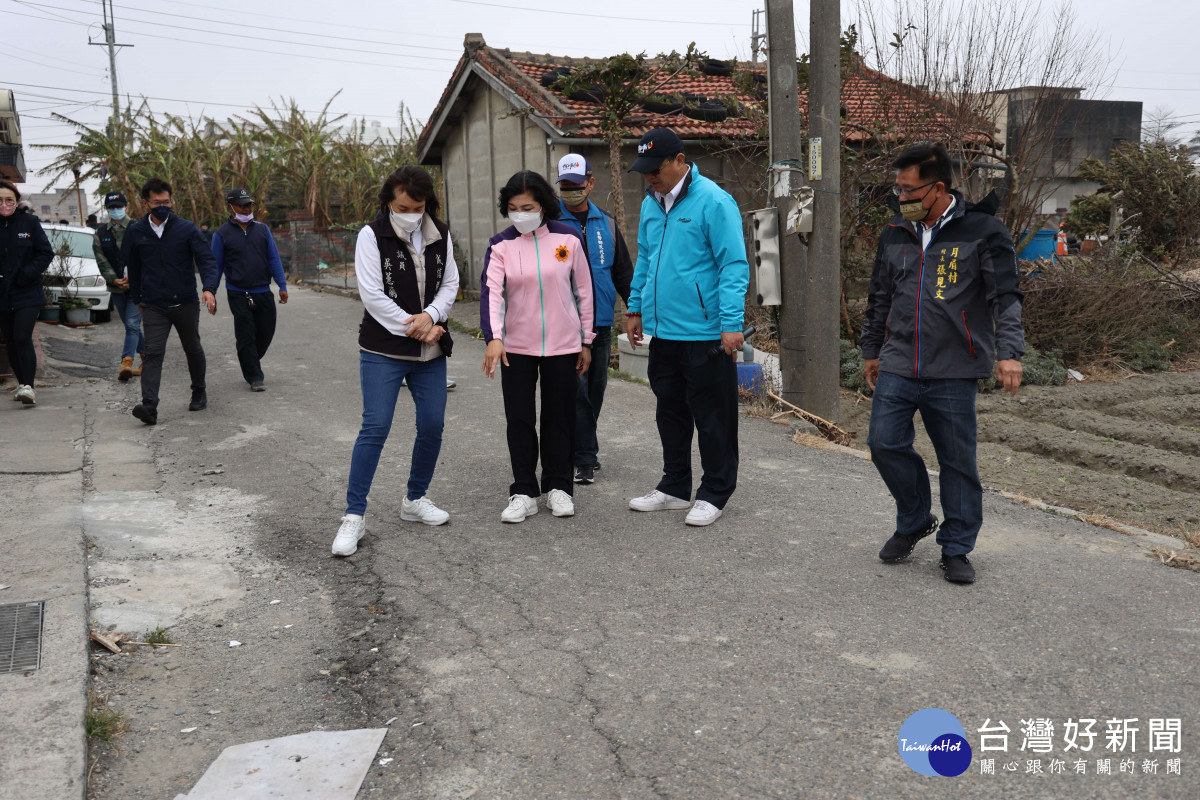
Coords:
pixel 958 569
pixel 585 475
pixel 199 401
pixel 257 386
pixel 146 414
pixel 900 545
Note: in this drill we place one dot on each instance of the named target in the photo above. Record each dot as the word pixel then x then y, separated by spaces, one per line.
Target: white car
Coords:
pixel 74 269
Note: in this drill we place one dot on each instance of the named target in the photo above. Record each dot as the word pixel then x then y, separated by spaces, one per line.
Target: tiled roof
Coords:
pixel 874 105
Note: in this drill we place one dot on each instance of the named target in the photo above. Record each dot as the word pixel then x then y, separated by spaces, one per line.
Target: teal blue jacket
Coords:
pixel 691 275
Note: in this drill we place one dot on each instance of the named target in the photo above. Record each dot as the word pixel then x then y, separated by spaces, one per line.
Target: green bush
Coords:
pixel 1147 356
pixel 852 367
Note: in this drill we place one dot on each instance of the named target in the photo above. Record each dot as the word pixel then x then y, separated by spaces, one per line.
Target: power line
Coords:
pixel 244 25
pixel 322 22
pixel 594 16
pixel 10 46
pixel 192 28
pixel 50 66
pixel 189 102
pixel 245 49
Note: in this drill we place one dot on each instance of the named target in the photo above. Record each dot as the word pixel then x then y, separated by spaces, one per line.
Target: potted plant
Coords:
pixel 50 311
pixel 74 309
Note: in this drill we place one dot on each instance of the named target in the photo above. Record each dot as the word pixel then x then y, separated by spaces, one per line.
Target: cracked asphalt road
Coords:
pixel 615 654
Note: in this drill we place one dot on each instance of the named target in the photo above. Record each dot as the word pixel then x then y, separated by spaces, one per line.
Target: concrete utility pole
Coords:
pixel 787 147
pixel 822 277
pixel 110 41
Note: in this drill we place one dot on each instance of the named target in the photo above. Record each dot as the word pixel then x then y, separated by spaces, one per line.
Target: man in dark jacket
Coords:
pixel 246 255
pixel 161 251
pixel 612 272
pixel 944 304
pixel 106 246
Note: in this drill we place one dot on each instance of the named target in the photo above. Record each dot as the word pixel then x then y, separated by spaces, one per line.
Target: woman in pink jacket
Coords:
pixel 536 312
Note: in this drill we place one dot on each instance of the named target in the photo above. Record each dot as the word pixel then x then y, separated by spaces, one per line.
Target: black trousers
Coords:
pixel 18 327
pixel 519 381
pixel 695 390
pixel 156 324
pixel 254 328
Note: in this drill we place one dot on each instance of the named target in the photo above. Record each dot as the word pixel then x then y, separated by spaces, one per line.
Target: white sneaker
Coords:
pixel 26 395
pixel 520 506
pixel 657 501
pixel 560 503
pixel 422 510
pixel 703 513
pixel 346 541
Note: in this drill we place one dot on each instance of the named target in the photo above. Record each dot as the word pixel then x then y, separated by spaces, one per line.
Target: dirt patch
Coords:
pixel 1127 449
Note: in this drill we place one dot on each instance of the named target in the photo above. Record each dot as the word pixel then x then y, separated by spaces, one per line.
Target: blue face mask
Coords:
pixel 116 214
pixel 161 213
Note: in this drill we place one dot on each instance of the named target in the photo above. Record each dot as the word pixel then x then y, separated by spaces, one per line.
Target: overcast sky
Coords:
pixel 220 57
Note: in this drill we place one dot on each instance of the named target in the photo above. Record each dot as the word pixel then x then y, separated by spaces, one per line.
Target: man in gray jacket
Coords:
pixel 944 305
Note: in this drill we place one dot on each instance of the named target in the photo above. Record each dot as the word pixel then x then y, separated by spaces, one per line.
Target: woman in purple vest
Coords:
pixel 407 279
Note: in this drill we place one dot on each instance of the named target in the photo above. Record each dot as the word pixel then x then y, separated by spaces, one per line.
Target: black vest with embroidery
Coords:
pixel 400 284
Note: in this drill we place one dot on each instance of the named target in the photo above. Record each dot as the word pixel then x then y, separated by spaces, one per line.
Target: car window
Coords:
pixel 75 243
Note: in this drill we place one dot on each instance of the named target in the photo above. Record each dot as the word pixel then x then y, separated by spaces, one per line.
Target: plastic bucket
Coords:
pixel 1042 245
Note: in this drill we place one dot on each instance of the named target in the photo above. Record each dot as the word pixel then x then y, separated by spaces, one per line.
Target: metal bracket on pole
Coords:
pixel 788 189
pixel 766 256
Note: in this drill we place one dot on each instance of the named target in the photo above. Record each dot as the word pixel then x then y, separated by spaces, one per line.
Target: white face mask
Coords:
pixel 525 221
pixel 406 222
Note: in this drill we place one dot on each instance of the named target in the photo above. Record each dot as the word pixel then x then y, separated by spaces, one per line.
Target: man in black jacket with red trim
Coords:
pixel 944 306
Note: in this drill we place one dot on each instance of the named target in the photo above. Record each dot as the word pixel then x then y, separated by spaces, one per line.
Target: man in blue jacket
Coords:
pixel 612 272
pixel 689 294
pixel 161 252
pixel 246 255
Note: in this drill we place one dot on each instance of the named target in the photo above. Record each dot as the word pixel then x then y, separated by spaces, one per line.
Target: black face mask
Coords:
pixel 161 213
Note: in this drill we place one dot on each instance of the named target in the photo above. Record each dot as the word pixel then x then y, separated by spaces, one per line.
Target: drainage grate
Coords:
pixel 21 636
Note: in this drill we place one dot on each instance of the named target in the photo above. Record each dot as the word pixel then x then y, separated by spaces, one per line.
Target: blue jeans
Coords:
pixel 131 315
pixel 947 408
pixel 590 399
pixel 380 377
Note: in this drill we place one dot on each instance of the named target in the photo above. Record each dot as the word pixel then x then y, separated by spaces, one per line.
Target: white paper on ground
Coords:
pixel 331 766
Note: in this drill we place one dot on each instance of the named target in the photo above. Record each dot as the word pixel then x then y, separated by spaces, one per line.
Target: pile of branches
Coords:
pixel 1117 308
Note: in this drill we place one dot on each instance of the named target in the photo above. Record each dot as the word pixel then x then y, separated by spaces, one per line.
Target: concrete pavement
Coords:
pixel 612 654
pixel 41 485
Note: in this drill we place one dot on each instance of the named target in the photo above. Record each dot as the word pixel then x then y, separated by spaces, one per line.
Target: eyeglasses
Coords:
pixel 900 191
pixel 8 201
pixel 157 203
pixel 661 164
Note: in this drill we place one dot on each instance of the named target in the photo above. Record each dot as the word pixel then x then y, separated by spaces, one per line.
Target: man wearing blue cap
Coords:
pixel 106 246
pixel 612 272
pixel 689 294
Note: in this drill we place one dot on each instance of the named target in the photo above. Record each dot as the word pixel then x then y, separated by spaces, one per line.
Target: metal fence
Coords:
pixel 322 257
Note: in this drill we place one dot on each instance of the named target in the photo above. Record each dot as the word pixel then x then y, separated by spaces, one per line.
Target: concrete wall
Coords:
pixel 486 146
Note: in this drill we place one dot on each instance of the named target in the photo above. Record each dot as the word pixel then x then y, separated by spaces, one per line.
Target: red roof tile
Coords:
pixel 874 105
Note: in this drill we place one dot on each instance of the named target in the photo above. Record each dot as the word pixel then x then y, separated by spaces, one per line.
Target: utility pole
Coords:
pixel 822 273
pixel 110 41
pixel 787 149
pixel 756 36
